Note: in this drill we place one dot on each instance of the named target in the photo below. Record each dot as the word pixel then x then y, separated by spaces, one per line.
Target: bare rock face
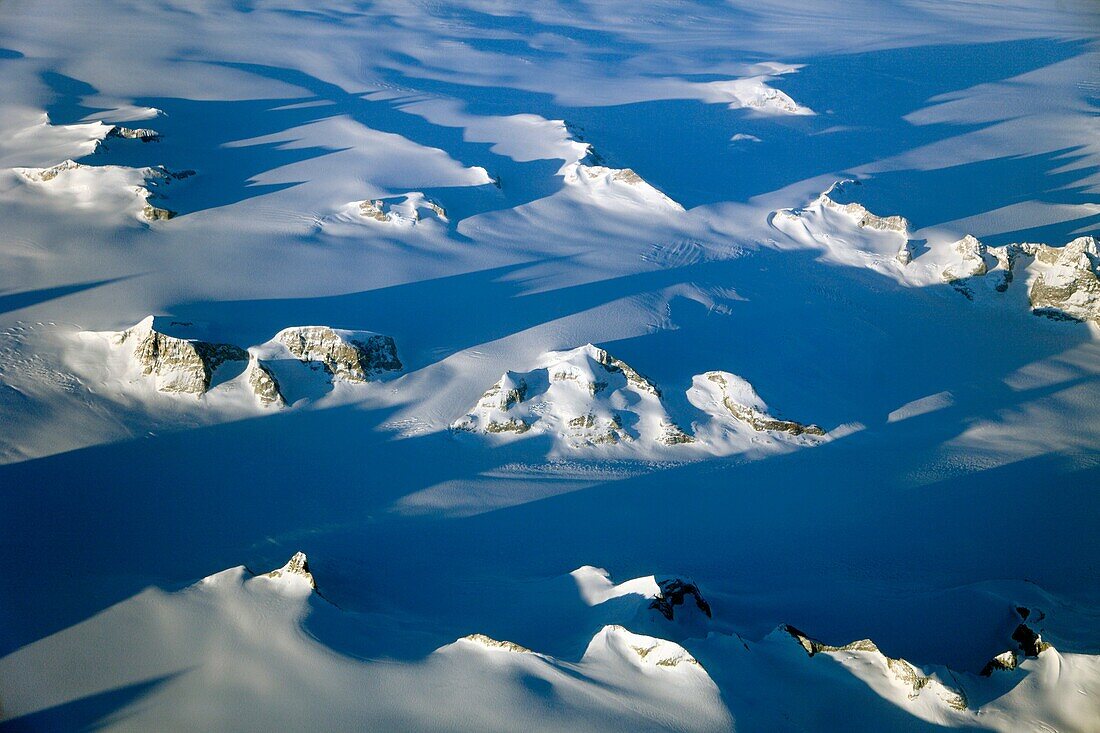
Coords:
pixel 813 646
pixel 178 365
pixel 633 378
pixel 1007 257
pixel 508 392
pixel 674 592
pixel 156 213
pixel 127 133
pixel 373 209
pixel 1067 286
pixel 901 670
pixel 591 430
pixel 1003 662
pixel 972 264
pixel 513 425
pixel 491 643
pixel 156 179
pixel 863 217
pixel 296 567
pixel 1028 640
pixel 744 404
pixel 354 356
pixel 264 384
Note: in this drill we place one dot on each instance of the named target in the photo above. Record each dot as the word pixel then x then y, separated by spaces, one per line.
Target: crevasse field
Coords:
pixel 616 365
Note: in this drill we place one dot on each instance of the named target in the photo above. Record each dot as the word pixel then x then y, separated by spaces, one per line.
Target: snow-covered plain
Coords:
pixel 797 311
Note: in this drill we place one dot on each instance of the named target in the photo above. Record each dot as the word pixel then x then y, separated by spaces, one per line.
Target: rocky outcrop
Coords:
pixel 598 431
pixel 633 378
pixel 1003 662
pixel 156 213
pixel 108 186
pixel 128 133
pixel 584 396
pixel 403 211
pixel 639 650
pixel 491 643
pixel 900 669
pixel 673 593
pixel 1006 256
pixel 864 218
pixel 673 434
pixel 512 425
pixel 354 356
pixel 617 186
pixel 1067 286
pixel 296 568
pixel 971 262
pixel 177 364
pixel 905 253
pixel 48 174
pixel 1029 642
pixel 264 384
pixel 741 400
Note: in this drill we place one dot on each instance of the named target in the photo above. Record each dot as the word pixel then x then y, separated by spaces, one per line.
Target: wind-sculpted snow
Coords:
pixel 401 213
pixel 77 187
pixel 252 628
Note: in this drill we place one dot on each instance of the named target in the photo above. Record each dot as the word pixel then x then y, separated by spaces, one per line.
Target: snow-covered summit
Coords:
pixel 582 398
pixel 888 671
pixel 724 396
pixel 108 188
pixel 616 645
pixel 296 571
pixel 617 187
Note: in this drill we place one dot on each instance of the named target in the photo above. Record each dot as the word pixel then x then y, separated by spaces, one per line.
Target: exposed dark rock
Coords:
pixel 673 593
pixel 1003 662
pixel 1030 641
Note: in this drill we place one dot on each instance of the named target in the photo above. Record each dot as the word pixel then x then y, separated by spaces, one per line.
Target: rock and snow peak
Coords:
pixel 295 570
pixel 176 364
pixel 584 397
pixel 742 402
pixel 354 356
